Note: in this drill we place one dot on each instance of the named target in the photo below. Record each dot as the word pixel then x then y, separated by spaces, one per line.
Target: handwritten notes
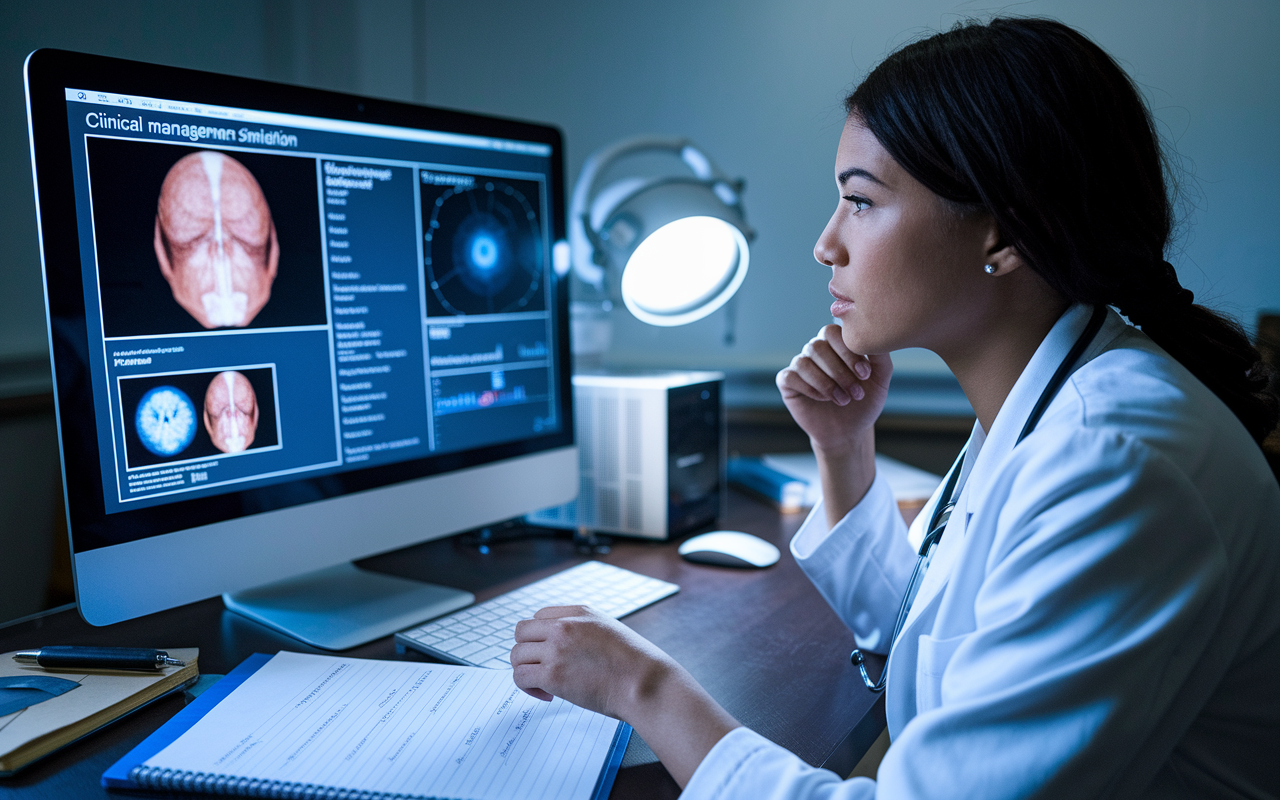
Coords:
pixel 395 727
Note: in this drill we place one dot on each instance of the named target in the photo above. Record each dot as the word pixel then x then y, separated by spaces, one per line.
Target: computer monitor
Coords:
pixel 291 328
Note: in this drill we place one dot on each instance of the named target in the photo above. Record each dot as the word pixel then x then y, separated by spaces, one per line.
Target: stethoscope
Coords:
pixel 942 512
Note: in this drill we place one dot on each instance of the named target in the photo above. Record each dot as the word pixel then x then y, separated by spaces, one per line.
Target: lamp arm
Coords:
pixel 583 241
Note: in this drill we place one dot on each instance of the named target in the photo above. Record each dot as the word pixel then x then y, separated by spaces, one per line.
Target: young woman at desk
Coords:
pixel 1099 617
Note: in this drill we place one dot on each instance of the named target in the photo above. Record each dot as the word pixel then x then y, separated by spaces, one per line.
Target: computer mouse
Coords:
pixel 730 549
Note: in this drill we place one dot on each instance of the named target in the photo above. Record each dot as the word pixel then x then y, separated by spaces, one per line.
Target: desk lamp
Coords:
pixel 673 247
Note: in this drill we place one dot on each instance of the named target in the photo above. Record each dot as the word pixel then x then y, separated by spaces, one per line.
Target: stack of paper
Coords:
pixel 790 480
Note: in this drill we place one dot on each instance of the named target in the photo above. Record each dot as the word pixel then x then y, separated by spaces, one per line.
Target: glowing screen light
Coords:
pixel 166 420
pixel 484 252
pixel 684 270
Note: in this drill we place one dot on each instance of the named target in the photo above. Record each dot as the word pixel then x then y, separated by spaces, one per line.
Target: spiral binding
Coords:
pixel 210 783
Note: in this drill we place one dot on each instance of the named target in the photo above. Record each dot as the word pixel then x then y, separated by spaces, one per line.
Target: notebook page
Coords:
pixel 396 727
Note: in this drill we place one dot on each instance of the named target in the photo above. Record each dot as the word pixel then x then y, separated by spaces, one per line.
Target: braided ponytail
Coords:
pixel 1213 347
pixel 1032 122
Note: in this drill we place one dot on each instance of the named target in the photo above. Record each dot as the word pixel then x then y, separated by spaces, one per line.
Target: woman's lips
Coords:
pixel 842 303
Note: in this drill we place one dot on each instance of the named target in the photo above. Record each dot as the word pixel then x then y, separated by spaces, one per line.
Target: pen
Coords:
pixel 63 657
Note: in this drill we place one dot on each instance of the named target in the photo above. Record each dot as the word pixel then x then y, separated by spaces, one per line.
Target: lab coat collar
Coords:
pixel 1026 391
pixel 985 451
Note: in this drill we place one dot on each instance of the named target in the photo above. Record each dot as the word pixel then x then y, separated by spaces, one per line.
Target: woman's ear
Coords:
pixel 1001 257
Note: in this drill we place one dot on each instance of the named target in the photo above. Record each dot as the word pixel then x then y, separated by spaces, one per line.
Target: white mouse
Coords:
pixel 730 549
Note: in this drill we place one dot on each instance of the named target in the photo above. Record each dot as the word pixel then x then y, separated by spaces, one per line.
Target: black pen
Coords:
pixel 67 657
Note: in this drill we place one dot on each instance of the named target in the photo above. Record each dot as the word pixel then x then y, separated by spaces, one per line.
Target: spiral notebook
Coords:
pixel 298 725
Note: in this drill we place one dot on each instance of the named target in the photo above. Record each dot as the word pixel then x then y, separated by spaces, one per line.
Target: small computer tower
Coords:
pixel 652 449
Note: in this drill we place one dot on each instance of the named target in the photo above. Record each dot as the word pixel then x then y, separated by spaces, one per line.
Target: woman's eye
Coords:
pixel 859 203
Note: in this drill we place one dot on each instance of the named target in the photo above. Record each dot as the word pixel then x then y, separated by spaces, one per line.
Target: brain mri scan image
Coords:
pixel 166 420
pixel 215 241
pixel 231 412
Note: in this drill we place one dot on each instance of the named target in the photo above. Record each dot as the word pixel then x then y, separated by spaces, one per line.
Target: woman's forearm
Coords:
pixel 676 717
pixel 846 475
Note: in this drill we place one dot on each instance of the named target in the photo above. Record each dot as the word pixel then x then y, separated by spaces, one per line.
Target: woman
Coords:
pixel 1100 615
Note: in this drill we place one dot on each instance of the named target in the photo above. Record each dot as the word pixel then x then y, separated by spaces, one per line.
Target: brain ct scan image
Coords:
pixel 215 240
pixel 166 420
pixel 231 412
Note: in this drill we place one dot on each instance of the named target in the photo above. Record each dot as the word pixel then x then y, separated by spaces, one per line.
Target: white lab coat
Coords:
pixel 1101 618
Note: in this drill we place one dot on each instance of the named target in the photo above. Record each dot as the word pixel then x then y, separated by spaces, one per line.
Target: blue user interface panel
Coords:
pixel 272 296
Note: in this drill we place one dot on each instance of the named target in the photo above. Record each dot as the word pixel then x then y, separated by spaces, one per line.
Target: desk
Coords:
pixel 763 642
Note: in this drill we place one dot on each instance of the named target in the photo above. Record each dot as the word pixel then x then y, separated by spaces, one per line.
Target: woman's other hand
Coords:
pixel 835 396
pixel 591 660
pixel 596 662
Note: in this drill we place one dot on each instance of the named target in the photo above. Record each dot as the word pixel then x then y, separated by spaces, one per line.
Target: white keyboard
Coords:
pixel 483 635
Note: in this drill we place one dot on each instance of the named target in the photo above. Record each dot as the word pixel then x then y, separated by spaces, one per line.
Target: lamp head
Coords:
pixel 680 244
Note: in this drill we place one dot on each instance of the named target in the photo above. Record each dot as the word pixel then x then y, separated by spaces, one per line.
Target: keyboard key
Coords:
pixel 449 645
pixel 489 653
pixel 467 649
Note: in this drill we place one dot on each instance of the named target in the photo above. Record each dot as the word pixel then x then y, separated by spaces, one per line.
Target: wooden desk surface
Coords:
pixel 763 642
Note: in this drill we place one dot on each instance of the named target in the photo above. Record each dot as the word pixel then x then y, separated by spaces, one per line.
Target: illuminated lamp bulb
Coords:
pixel 684 270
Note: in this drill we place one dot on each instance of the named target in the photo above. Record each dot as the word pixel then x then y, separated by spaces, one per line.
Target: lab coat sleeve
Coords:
pixel 745 764
pixel 862 565
pixel 1102 584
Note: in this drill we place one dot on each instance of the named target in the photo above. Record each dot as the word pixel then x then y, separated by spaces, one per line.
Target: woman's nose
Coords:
pixel 827 250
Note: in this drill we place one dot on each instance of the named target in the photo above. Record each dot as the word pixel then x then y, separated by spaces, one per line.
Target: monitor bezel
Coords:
pixel 48 74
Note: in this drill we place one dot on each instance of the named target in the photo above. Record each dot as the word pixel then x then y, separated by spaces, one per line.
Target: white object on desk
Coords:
pixel 386 728
pixel 908 483
pixel 730 549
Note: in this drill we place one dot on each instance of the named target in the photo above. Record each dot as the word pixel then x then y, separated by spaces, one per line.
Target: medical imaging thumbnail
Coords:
pixel 183 416
pixel 189 240
pixel 483 244
pixel 215 240
pixel 231 412
pixel 166 420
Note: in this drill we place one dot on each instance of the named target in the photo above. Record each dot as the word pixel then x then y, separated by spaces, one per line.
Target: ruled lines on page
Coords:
pixel 396 727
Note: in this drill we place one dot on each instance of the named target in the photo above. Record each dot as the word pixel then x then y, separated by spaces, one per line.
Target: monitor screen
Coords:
pixel 263 297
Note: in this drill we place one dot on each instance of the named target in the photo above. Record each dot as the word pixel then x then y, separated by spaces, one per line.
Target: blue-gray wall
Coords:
pixel 757 83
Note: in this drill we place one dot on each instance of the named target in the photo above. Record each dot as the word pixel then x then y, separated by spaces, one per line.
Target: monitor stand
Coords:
pixel 344 606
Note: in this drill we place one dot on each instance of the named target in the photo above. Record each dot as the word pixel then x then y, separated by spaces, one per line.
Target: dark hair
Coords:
pixel 1032 122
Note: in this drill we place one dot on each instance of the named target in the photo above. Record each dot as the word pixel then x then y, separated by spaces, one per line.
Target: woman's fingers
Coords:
pixel 551 612
pixel 827 387
pixel 804 377
pixel 528 677
pixel 863 366
pixel 836 364
pixel 585 657
pixel 790 383
pixel 529 657
pixel 826 369
pixel 536 693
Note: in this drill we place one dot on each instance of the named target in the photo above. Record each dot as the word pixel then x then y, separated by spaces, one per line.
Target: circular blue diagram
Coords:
pixel 483 254
pixel 166 420
pixel 483 251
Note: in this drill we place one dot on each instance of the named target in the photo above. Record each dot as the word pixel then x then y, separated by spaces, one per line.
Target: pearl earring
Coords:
pixel 990 269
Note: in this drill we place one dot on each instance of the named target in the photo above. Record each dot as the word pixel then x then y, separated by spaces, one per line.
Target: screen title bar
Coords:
pixel 224 113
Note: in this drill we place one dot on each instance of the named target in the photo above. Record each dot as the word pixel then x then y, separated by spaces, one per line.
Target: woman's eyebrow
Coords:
pixel 857 172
